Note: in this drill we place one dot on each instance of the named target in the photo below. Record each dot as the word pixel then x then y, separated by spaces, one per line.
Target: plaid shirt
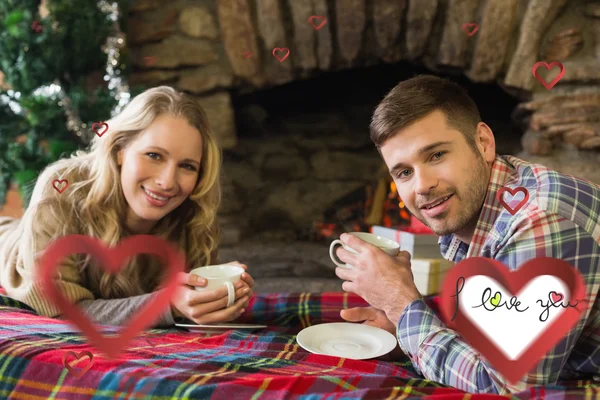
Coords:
pixel 560 220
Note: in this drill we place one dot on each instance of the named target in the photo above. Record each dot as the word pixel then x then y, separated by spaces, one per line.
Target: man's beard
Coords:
pixel 469 203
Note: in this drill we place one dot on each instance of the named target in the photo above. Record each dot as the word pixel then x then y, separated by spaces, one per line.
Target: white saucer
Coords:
pixel 347 340
pixel 205 327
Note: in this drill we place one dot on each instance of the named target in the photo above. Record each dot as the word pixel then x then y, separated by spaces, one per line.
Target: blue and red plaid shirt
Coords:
pixel 561 219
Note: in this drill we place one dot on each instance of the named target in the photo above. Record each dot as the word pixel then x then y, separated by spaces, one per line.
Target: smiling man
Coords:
pixel 444 164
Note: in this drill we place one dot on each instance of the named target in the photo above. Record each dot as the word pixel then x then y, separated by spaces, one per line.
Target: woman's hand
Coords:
pixel 208 306
pixel 245 276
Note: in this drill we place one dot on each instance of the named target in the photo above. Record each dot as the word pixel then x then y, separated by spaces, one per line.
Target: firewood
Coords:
pixel 542 119
pixel 579 135
pixel 591 143
pixel 566 100
pixel 376 212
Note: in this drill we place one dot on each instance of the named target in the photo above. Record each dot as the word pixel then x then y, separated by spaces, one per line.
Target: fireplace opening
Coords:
pixel 304 166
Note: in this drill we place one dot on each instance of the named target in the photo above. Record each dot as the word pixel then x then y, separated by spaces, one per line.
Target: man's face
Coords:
pixel 441 179
pixel 159 170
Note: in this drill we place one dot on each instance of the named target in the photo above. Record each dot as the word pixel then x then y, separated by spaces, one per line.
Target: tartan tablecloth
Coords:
pixel 176 364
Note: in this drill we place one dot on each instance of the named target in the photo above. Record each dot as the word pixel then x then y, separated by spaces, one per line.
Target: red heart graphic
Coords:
pixel 512 192
pixel 54 182
pixel 150 60
pixel 111 259
pixel 129 382
pixel 312 18
pixel 247 55
pixel 78 373
pixel 513 281
pixel 95 125
pixel 548 67
pixel 556 297
pixel 466 26
pixel 277 49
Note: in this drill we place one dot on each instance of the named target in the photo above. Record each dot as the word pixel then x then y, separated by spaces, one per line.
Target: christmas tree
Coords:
pixel 49 101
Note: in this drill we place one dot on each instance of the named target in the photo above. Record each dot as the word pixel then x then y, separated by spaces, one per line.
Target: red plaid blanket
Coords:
pixel 176 364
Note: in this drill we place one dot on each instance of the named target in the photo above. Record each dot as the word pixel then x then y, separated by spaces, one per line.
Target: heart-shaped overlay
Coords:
pixel 128 384
pixel 513 281
pixel 96 125
pixel 54 182
pixel 82 371
pixel 111 259
pixel 556 297
pixel 496 299
pixel 278 49
pixel 513 192
pixel 548 67
pixel 466 26
pixel 312 18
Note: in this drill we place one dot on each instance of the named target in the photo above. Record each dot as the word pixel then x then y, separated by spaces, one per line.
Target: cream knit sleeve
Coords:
pixel 38 228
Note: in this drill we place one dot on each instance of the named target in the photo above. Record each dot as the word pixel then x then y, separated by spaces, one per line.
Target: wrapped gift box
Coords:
pixel 429 274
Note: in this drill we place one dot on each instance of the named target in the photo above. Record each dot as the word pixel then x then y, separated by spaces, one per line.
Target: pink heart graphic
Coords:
pixel 548 67
pixel 111 259
pixel 284 49
pixel 513 281
pixel 78 356
pixel 96 125
pixel 466 27
pixel 556 297
pixel 514 191
pixel 56 182
pixel 321 18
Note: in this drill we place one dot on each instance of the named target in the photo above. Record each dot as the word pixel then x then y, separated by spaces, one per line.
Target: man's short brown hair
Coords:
pixel 415 98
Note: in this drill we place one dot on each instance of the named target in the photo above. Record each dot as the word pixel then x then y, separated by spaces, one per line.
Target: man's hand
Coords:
pixel 377 318
pixel 385 282
pixel 371 316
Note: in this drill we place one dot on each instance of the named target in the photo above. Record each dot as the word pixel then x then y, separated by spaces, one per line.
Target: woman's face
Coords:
pixel 159 170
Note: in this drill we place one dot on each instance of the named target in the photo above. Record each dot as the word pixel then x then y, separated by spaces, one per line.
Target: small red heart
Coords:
pixel 78 373
pixel 111 259
pixel 247 55
pixel 514 191
pixel 558 77
pixel 56 181
pixel 150 60
pixel 129 382
pixel 312 18
pixel 513 281
pixel 284 49
pixel 466 27
pixel 96 125
pixel 556 297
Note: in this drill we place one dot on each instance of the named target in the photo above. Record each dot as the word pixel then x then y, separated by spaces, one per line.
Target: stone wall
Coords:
pixel 215 49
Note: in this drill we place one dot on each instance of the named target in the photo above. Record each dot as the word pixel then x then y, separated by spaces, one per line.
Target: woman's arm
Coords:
pixel 119 311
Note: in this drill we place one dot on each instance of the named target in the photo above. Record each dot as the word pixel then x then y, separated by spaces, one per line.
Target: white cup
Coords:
pixel 389 246
pixel 219 275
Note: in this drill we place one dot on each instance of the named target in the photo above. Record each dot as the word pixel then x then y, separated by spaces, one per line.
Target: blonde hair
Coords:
pixel 95 205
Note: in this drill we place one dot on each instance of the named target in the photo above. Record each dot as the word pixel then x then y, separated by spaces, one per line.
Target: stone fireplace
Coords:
pixel 290 101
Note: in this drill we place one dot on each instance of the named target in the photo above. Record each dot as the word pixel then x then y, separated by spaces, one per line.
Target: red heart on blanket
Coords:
pixel 514 191
pixel 277 49
pixel 130 381
pixel 513 281
pixel 321 18
pixel 111 259
pixel 97 125
pixel 558 77
pixel 81 372
pixel 56 183
pixel 467 28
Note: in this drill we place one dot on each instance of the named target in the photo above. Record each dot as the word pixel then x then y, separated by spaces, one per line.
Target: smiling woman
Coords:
pixel 155 171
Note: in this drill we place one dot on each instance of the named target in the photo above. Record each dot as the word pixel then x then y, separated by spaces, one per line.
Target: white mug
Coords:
pixel 219 275
pixel 389 246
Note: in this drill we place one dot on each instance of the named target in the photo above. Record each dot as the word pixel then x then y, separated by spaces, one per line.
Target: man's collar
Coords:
pixel 500 173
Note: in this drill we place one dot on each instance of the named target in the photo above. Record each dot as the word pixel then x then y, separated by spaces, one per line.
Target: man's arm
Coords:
pixel 439 353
